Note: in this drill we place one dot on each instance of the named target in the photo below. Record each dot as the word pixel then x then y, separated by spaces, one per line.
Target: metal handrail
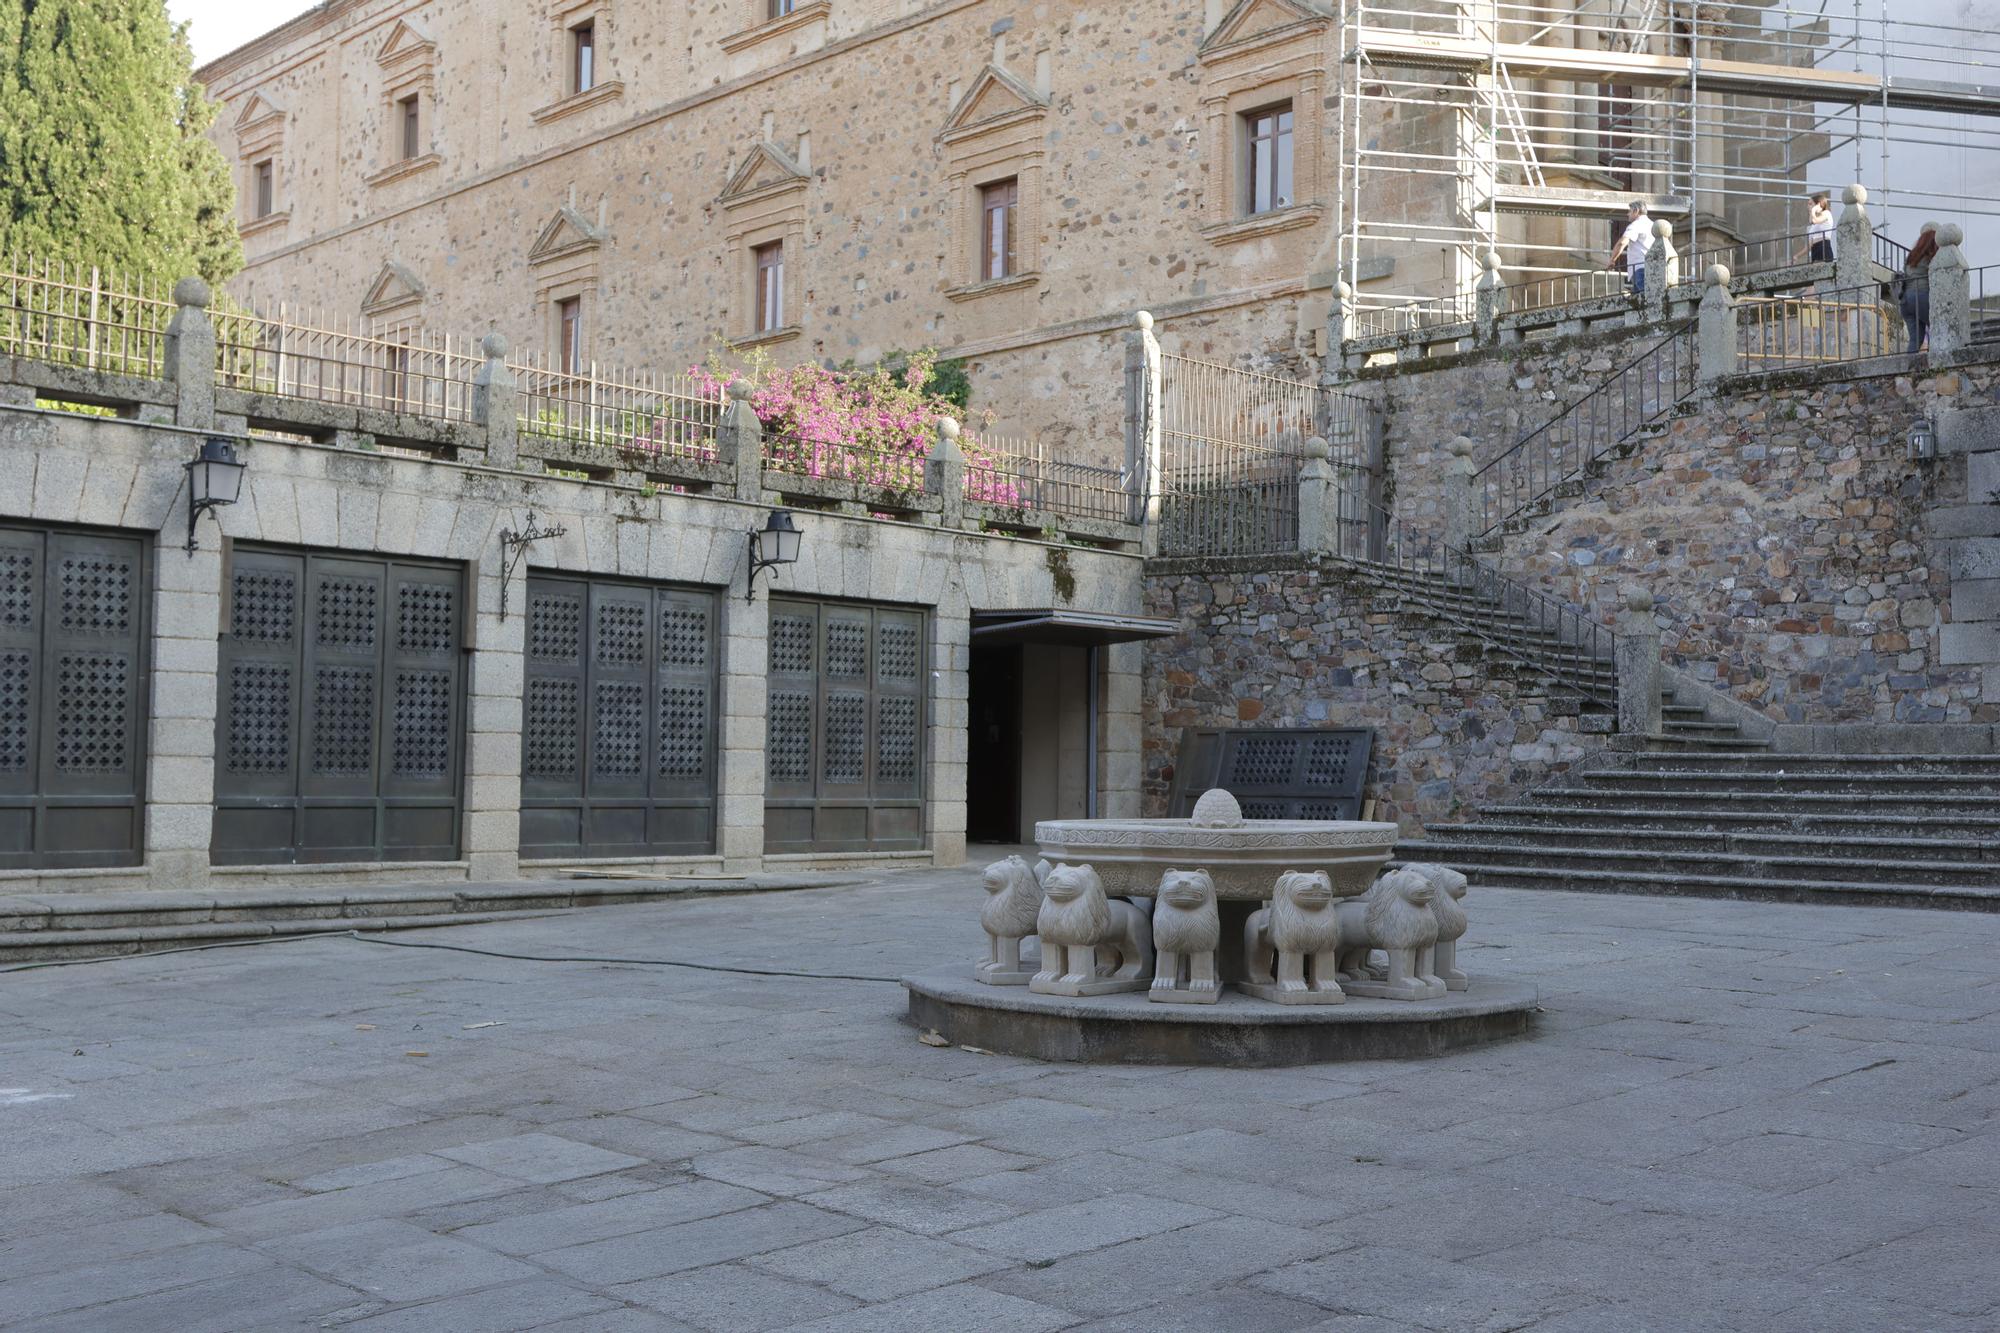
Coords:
pixel 1371 536
pixel 1627 402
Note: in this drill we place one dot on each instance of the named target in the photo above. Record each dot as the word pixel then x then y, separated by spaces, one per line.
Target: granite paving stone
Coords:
pixel 1730 1116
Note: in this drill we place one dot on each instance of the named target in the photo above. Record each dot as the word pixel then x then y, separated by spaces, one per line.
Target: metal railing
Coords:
pixel 1816 327
pixel 1435 312
pixel 1563 289
pixel 1636 395
pixel 1892 255
pixel 1205 406
pixel 1983 303
pixel 1252 510
pixel 420 373
pixel 1020 474
pixel 1564 641
pixel 889 471
pixel 671 415
pixel 79 315
pixel 1758 256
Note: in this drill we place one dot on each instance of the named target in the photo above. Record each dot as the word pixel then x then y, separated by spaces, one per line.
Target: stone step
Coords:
pixel 1654 860
pixel 1793 780
pixel 1890 839
pixel 1780 761
pixel 1873 804
pixel 1860 893
pixel 1667 741
pixel 1828 824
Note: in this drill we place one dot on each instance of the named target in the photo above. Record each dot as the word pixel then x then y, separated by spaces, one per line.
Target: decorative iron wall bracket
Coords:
pixel 514 549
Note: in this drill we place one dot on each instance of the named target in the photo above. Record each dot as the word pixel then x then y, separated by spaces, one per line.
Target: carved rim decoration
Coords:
pixel 1167 836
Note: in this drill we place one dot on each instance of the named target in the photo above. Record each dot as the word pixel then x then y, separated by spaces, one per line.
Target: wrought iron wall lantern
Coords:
pixel 215 479
pixel 1923 439
pixel 774 544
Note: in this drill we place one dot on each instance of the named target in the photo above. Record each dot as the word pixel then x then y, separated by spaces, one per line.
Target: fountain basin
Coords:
pixel 1129 855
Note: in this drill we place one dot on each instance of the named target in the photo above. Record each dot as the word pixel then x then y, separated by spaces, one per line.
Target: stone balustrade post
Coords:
pixel 944 474
pixel 1142 429
pixel 190 355
pixel 1853 240
pixel 739 442
pixel 496 403
pixel 1340 323
pixel 1319 531
pixel 1489 301
pixel 1461 504
pixel 1715 330
pixel 1663 271
pixel 1951 293
pixel 1638 666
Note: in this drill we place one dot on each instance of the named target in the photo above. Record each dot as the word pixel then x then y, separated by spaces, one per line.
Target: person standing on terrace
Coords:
pixel 1638 239
pixel 1819 230
pixel 1914 287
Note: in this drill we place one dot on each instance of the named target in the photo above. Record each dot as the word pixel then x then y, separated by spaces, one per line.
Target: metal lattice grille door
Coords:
pixel 340 726
pixel 618 725
pixel 844 767
pixel 73 633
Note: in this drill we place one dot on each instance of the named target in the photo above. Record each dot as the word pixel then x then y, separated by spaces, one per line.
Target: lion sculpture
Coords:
pixel 1187 927
pixel 1394 916
pixel 1013 901
pixel 1449 886
pixel 1290 945
pixel 1091 945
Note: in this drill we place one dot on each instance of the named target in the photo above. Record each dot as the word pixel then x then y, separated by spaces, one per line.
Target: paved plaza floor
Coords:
pixel 1732 1116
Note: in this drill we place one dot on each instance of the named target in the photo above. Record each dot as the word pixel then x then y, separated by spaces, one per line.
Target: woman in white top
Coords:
pixel 1819 231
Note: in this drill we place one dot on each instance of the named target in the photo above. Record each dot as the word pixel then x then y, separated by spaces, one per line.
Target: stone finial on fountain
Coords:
pixel 1217 809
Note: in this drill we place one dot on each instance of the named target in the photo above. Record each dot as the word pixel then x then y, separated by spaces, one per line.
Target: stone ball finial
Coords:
pixel 1490 261
pixel 1638 599
pixel 740 390
pixel 1854 194
pixel 1460 447
pixel 1951 234
pixel 494 344
pixel 194 292
pixel 1318 448
pixel 1217 809
pixel 947 427
pixel 1663 228
pixel 1718 275
pixel 1144 319
pixel 1343 291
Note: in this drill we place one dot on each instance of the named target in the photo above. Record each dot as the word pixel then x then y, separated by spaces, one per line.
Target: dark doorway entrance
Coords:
pixel 993 749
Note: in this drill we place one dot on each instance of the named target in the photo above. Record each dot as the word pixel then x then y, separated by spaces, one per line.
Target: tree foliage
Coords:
pixel 104 157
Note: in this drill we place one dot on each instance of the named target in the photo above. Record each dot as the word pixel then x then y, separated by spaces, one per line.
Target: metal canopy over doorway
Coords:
pixel 1083 629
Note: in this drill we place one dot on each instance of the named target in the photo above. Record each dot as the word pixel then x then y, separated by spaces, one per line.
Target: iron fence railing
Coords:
pixel 1562 289
pixel 1416 316
pixel 671 415
pixel 81 315
pixel 1251 511
pixel 1756 256
pixel 1983 303
pixel 1812 328
pixel 420 373
pixel 1892 255
pixel 1348 425
pixel 891 472
pixel 1634 396
pixel 1021 474
pixel 1564 641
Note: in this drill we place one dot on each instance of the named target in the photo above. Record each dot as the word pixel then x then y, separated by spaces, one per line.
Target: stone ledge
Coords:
pixel 1236 1032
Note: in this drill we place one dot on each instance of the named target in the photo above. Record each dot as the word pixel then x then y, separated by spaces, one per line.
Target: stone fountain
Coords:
pixel 1218 940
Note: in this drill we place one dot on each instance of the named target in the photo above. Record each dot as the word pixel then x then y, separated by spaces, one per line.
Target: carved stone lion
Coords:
pixel 1290 945
pixel 1449 887
pixel 1393 916
pixel 1091 945
pixel 1187 927
pixel 1013 901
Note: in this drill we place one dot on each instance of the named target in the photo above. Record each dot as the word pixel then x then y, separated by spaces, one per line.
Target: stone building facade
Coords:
pixel 469 167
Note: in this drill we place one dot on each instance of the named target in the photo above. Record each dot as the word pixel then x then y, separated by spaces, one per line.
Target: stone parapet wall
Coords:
pixel 1298 643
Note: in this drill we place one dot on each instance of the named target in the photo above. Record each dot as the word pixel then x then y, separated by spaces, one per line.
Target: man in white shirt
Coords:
pixel 1633 245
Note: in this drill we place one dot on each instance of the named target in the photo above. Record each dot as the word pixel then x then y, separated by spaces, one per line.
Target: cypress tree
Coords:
pixel 103 153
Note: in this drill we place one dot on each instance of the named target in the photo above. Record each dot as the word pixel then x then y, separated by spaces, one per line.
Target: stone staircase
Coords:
pixel 1869 829
pixel 1578 483
pixel 1686 723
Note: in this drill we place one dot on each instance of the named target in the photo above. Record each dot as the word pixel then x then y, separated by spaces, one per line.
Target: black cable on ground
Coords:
pixel 637 962
pixel 453 948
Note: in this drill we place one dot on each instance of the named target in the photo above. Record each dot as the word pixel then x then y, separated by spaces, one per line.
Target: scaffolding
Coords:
pixel 1527 129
